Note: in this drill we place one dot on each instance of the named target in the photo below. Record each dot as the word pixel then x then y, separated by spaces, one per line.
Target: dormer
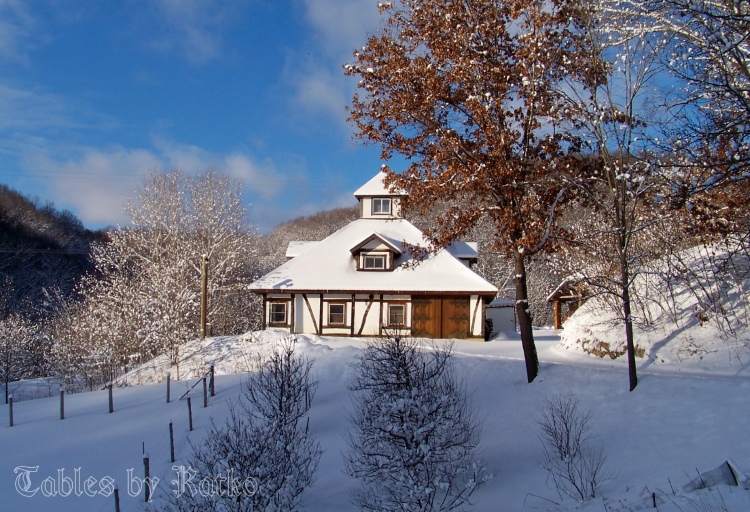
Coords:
pixel 376 253
pixel 377 202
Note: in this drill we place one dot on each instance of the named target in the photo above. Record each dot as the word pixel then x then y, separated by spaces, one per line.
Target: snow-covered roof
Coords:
pixel 297 248
pixel 329 266
pixel 464 250
pixel 375 187
pixel 393 245
pixel 564 285
pixel 502 303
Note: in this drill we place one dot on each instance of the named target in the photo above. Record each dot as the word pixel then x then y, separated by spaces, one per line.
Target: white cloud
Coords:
pixel 34 109
pixel 16 26
pixel 337 28
pixel 192 27
pixel 342 25
pixel 95 185
pixel 319 92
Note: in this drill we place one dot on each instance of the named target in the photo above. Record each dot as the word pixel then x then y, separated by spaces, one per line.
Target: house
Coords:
pixel 357 282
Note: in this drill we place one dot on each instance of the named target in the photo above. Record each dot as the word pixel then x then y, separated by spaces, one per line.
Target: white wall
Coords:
pixel 366 208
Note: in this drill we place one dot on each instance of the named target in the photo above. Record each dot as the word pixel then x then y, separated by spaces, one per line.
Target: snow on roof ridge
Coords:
pixel 375 187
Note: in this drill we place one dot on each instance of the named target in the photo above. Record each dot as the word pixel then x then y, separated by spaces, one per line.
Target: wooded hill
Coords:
pixel 43 252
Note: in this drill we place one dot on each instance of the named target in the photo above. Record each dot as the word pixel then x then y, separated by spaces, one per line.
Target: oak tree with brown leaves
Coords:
pixel 464 90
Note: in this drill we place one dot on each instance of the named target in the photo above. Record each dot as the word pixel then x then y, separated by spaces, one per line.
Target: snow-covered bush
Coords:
pixel 265 446
pixel 575 464
pixel 414 432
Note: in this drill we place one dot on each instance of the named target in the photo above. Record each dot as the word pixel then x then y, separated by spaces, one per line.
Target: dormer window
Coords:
pixel 381 205
pixel 373 261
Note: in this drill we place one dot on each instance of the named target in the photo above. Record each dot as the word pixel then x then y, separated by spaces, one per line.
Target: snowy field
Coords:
pixel 682 419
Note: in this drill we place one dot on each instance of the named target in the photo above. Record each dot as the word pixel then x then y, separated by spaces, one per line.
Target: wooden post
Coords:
pixel 62 403
pixel 171 443
pixel 204 294
pixel 211 384
pixel 205 393
pixel 558 315
pixel 111 402
pixel 117 499
pixel 10 408
pixel 146 479
pixel 190 414
pixel 169 376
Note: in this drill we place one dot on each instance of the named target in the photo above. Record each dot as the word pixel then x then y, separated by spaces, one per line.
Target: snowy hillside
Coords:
pixel 656 438
pixel 688 316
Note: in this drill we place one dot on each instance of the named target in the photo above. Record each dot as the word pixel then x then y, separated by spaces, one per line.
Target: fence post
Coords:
pixel 169 376
pixel 62 403
pixel 211 384
pixel 146 479
pixel 190 413
pixel 111 402
pixel 10 403
pixel 171 443
pixel 205 393
pixel 117 499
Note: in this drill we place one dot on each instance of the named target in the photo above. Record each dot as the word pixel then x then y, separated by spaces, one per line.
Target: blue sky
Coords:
pixel 94 94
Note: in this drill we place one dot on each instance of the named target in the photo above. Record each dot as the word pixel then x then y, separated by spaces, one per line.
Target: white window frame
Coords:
pixel 378 205
pixel 390 315
pixel 375 257
pixel 343 314
pixel 271 313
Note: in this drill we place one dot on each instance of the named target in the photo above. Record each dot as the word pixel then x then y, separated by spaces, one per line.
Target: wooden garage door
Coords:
pixel 440 317
pixel 455 317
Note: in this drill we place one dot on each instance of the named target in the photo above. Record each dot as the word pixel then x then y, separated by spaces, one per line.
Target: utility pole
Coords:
pixel 204 294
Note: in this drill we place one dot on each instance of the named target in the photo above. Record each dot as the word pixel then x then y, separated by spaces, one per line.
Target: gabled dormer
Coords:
pixel 377 202
pixel 376 253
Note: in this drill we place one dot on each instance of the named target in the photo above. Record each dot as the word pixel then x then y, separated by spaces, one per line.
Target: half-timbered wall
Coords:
pixel 371 314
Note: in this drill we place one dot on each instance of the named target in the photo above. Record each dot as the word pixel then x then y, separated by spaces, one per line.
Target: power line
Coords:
pixel 127 177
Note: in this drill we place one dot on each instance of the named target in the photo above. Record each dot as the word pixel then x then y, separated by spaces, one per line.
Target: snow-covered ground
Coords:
pixel 683 418
pixel 694 314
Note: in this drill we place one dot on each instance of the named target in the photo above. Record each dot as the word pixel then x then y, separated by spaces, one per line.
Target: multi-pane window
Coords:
pixel 336 314
pixel 374 262
pixel 277 315
pixel 396 314
pixel 381 205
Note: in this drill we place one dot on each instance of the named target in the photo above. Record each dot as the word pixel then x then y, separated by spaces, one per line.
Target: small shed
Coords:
pixel 571 291
pixel 502 314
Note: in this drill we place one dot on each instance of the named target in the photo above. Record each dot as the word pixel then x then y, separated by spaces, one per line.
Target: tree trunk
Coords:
pixel 632 371
pixel 524 316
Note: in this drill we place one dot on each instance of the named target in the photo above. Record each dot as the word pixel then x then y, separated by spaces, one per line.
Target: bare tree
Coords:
pixel 622 188
pixel 143 299
pixel 414 432
pixel 576 467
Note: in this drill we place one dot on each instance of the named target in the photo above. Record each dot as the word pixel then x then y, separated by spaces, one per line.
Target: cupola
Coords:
pixel 377 202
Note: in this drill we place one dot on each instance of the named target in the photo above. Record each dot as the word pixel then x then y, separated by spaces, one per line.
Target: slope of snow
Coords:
pixel 655 437
pixel 680 322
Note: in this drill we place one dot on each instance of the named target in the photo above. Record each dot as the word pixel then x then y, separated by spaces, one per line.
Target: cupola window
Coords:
pixel 381 205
